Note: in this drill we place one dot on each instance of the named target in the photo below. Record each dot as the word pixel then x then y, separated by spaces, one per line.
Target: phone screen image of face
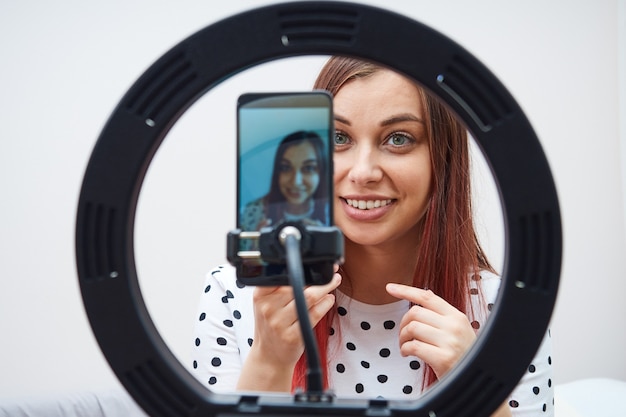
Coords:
pixel 284 172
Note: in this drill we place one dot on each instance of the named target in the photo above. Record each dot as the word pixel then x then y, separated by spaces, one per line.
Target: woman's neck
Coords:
pixel 298 209
pixel 368 269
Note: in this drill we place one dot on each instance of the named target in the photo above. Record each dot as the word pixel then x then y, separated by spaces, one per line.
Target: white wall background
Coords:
pixel 66 64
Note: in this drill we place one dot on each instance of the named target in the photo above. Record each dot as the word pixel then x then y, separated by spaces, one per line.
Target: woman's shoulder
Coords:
pixel 253 205
pixel 252 214
pixel 224 278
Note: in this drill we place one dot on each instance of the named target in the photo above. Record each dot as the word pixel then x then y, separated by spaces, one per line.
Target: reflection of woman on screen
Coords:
pixel 298 190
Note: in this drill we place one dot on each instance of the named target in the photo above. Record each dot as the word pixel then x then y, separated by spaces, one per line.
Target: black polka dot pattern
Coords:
pixel 252 215
pixel 215 339
pixel 364 357
pixel 372 367
pixel 389 324
pixel 535 392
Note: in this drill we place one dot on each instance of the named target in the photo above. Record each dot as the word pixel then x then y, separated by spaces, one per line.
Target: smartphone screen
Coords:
pixel 284 171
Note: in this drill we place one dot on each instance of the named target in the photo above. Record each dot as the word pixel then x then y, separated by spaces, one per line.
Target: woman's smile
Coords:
pixel 366 209
pixel 365 204
pixel 297 193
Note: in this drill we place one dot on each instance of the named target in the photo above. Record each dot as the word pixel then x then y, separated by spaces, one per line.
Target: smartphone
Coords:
pixel 284 175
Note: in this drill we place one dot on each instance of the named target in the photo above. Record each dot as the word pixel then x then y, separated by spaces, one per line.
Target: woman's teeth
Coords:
pixel 367 204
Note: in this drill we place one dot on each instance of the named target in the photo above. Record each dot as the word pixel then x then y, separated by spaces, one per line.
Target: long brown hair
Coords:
pixel 449 252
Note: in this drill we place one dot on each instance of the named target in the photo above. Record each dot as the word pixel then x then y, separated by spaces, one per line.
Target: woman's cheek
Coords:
pixel 315 182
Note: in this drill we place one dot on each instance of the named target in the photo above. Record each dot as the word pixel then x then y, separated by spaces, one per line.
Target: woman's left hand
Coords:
pixel 432 329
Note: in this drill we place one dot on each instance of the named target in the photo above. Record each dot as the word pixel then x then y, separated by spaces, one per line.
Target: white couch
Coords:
pixel 110 403
pixel 591 397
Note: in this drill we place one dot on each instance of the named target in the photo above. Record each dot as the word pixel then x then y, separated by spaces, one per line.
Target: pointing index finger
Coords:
pixel 422 297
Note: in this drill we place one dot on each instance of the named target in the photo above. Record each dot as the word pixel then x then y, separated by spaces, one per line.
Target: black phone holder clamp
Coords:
pixel 318 245
pixel 291 243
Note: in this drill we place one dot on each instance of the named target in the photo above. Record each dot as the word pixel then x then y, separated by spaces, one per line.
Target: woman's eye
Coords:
pixel 309 169
pixel 341 138
pixel 284 168
pixel 399 139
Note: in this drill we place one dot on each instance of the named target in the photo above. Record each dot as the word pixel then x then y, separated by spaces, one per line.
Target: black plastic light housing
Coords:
pixel 117 167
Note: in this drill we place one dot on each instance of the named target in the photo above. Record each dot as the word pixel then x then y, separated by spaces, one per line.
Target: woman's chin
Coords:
pixel 363 237
pixel 295 206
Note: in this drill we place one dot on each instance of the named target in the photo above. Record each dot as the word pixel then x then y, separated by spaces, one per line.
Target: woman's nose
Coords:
pixel 297 178
pixel 365 166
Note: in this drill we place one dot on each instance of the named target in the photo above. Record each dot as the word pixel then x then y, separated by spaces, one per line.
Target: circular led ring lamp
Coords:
pixel 120 159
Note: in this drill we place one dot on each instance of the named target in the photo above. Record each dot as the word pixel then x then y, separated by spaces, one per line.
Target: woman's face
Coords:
pixel 382 165
pixel 298 176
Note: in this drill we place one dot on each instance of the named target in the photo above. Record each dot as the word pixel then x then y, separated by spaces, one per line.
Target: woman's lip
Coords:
pixel 366 214
pixel 365 197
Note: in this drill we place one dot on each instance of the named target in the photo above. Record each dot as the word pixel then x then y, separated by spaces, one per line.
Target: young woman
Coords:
pixel 297 188
pixel 415 287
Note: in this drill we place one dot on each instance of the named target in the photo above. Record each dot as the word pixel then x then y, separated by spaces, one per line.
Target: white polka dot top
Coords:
pixel 363 355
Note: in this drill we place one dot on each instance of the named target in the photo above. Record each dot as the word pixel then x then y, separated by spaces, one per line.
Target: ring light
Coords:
pixel 135 130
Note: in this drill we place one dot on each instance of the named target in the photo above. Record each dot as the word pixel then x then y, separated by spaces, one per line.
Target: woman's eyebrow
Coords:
pixel 404 117
pixel 342 120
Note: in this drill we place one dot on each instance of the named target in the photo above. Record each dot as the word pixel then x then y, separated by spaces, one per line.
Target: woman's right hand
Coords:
pixel 278 341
